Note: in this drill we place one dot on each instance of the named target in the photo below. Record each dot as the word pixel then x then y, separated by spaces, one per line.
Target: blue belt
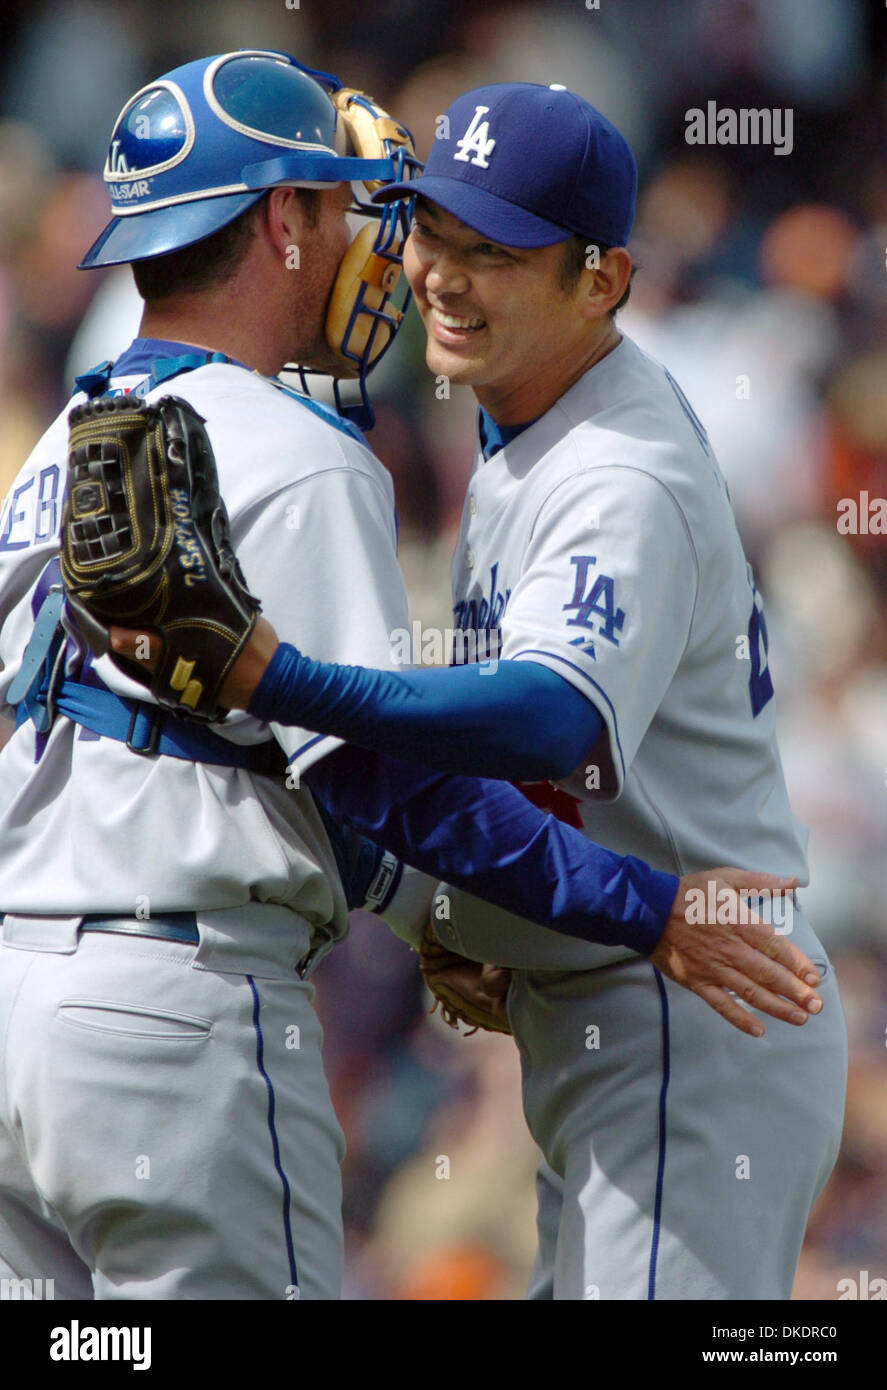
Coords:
pixel 148 730
pixel 170 926
pixel 41 689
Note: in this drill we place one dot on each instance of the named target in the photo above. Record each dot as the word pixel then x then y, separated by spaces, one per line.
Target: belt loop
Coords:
pixel 307 966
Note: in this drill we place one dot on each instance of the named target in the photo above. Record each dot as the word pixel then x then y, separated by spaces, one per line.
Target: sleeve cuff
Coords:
pixel 656 893
pixel 408 907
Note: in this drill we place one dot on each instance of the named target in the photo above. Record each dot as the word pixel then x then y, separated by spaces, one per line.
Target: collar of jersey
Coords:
pixel 494 437
pixel 142 353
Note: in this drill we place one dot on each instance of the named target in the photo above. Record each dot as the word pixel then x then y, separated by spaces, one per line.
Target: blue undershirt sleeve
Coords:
pixel 507 719
pixel 486 838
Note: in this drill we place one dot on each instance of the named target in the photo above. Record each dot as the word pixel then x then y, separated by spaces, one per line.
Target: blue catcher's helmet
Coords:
pixel 196 148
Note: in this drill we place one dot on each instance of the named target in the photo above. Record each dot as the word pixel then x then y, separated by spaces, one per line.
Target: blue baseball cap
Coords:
pixel 192 150
pixel 527 165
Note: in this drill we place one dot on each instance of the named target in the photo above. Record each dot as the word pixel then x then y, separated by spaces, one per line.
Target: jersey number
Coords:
pixel 760 686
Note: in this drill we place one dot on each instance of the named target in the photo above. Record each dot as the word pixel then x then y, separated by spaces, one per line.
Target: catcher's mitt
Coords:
pixel 145 532
pixel 466 991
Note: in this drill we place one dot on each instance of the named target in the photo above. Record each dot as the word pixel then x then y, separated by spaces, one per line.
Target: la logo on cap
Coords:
pixel 476 138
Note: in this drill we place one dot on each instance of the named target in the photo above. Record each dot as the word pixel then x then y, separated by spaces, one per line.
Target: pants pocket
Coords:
pixel 133 1020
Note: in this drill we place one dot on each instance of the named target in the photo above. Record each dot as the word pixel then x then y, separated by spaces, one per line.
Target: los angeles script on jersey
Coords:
pixel 484 615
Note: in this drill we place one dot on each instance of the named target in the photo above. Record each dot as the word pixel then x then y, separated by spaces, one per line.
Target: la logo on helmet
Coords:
pixel 476 138
pixel 117 159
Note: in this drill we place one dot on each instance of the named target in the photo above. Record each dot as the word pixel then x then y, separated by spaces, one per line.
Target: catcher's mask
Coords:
pixel 196 148
pixel 362 317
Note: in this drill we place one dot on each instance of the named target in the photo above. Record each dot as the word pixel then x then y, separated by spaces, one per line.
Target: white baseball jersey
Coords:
pixel 601 543
pixel 313 523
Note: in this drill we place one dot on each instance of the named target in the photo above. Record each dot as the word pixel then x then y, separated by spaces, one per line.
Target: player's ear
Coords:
pixel 284 218
pixel 604 285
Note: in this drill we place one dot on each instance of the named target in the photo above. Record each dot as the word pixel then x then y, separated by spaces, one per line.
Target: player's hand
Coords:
pixel 245 674
pixel 741 954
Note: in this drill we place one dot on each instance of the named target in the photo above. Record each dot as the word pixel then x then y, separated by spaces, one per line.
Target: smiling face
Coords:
pixel 499 319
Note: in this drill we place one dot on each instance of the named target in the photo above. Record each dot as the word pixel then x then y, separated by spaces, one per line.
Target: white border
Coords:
pixel 183 153
pixel 181 198
pixel 131 208
pixel 213 103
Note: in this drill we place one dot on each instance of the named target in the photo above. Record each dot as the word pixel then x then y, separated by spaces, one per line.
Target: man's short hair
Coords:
pixel 213 260
pixel 575 259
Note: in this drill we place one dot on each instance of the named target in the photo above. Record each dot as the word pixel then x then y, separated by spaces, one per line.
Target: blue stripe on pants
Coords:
pixel 260 1063
pixel 660 1168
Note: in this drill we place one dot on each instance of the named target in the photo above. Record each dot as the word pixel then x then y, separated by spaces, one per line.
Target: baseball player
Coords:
pixel 167 887
pixel 598 544
pixel 165 1124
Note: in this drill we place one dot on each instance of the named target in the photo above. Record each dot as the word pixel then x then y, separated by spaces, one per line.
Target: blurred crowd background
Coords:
pixel 763 287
